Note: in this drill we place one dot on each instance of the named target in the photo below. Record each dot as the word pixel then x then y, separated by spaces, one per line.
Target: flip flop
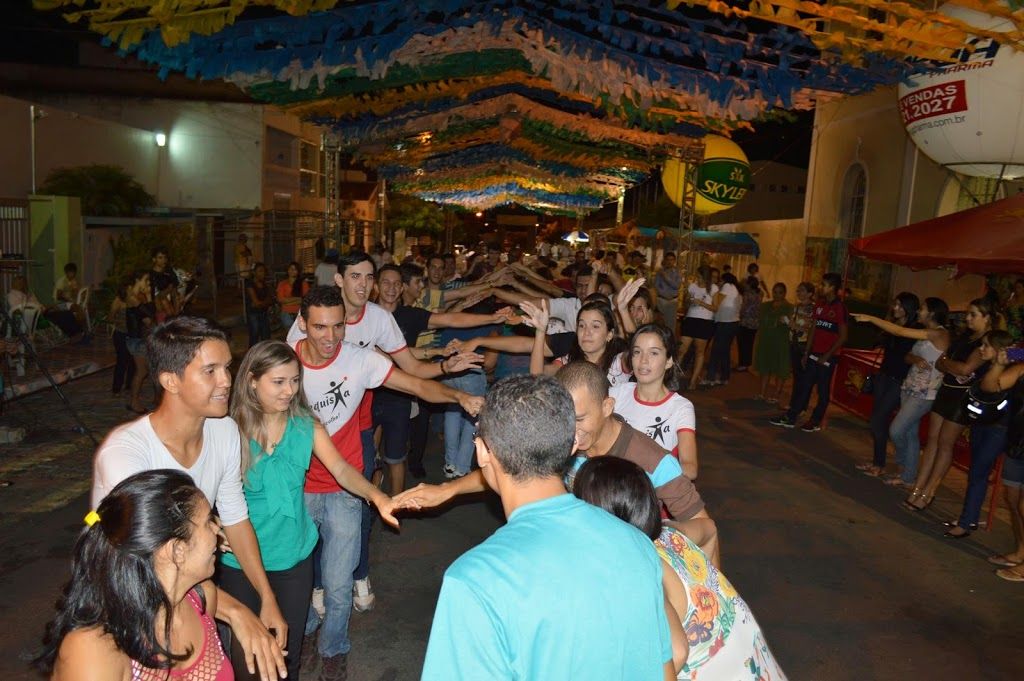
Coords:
pixel 1003 561
pixel 897 481
pixel 872 472
pixel 865 466
pixel 1009 575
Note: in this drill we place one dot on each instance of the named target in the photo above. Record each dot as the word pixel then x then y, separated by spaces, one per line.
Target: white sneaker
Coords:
pixel 318 603
pixel 362 595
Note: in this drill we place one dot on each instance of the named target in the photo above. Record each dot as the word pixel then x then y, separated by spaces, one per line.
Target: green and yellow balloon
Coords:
pixel 722 178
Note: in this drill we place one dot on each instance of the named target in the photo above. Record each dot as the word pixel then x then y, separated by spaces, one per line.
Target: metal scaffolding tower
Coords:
pixel 332 204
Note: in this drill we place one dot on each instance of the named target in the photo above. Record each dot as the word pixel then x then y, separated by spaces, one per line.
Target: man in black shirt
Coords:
pixel 392 410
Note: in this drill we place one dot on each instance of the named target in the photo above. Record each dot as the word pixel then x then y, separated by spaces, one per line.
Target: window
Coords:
pixel 854 198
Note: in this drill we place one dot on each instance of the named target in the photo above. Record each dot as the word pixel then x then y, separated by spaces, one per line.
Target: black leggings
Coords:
pixel 293 589
pixel 745 345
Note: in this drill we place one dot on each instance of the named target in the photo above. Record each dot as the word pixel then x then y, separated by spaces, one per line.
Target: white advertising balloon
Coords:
pixel 968 115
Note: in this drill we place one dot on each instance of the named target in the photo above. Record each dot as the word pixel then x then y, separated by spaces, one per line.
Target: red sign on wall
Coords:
pixel 936 100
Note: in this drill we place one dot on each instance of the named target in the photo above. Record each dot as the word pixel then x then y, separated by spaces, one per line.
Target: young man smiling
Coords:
pixel 336 377
pixel 367 325
pixel 190 431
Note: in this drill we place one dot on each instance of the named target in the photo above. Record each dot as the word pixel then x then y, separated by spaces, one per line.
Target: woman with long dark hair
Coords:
pixel 919 389
pixel 652 405
pixel 290 291
pixel 988 409
pixel 140 315
pixel 948 420
pixel 699 323
pixel 140 604
pixel 887 381
pixel 724 640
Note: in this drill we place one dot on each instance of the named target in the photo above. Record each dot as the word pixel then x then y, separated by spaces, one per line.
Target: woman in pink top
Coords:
pixel 140 603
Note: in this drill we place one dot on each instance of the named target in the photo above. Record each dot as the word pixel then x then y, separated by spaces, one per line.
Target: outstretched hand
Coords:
pixel 462 361
pixel 627 292
pixel 422 496
pixel 536 316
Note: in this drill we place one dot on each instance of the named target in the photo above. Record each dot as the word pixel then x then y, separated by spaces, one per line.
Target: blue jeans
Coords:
pixel 459 427
pixel 987 443
pixel 814 375
pixel 886 393
pixel 338 517
pixel 905 433
pixel 721 351
pixel 287 319
pixel 258 322
pixel 369 466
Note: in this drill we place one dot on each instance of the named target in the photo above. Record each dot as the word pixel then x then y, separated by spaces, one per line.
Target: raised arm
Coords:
pixel 891 328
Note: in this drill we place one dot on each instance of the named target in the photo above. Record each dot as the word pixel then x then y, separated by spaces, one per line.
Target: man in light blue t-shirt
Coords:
pixel 564 590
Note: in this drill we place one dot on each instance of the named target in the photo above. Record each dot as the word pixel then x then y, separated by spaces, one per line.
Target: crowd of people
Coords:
pixel 296 448
pixel 586 439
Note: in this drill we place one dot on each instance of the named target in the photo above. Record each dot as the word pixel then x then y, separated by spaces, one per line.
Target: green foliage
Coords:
pixel 132 250
pixel 414 215
pixel 107 191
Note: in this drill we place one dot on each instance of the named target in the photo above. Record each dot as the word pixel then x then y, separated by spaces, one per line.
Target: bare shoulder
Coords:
pixel 90 655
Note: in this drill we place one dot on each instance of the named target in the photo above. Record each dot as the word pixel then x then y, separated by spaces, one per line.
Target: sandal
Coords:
pixel 1010 575
pixel 897 481
pixel 956 533
pixel 871 471
pixel 1003 561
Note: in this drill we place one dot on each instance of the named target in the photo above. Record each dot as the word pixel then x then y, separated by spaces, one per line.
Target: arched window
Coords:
pixel 851 210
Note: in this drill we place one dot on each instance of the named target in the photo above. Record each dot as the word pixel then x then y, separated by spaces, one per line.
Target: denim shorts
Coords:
pixel 136 346
pixel 1013 472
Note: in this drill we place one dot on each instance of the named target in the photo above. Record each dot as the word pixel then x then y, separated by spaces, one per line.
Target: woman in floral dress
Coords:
pixel 725 641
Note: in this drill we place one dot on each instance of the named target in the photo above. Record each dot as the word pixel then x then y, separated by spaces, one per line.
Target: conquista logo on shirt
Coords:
pixel 332 398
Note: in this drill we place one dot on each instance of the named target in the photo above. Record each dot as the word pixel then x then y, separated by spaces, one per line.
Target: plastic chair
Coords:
pixel 30 314
pixel 82 300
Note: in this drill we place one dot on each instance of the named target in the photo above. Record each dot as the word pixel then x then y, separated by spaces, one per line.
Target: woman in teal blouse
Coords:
pixel 279 437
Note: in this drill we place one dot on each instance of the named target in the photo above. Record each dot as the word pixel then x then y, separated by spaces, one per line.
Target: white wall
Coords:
pixel 213 158
pixel 66 138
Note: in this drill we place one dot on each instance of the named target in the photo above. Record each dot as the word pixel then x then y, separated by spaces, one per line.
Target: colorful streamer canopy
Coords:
pixel 555 104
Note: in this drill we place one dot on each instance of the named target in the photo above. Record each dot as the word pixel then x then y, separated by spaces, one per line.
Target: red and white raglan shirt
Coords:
pixel 828 319
pixel 334 391
pixel 375 327
pixel 661 421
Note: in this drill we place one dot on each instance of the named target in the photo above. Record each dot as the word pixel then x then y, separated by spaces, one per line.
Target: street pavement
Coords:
pixel 844 582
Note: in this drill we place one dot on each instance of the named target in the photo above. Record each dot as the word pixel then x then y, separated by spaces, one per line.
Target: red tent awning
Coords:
pixel 983 240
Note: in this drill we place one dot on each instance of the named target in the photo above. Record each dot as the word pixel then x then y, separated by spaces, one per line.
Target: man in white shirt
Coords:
pixel 367 325
pixel 190 431
pixel 336 376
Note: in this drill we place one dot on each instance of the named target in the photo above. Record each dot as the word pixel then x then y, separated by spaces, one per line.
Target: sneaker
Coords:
pixel 811 427
pixel 310 656
pixel 335 668
pixel 781 421
pixel 450 472
pixel 318 603
pixel 362 595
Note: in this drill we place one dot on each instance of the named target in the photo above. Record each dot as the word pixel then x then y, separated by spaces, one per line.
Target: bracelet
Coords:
pixel 443 369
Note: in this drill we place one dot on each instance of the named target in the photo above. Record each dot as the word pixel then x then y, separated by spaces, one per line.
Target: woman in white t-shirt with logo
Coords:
pixel 699 323
pixel 727 322
pixel 652 405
